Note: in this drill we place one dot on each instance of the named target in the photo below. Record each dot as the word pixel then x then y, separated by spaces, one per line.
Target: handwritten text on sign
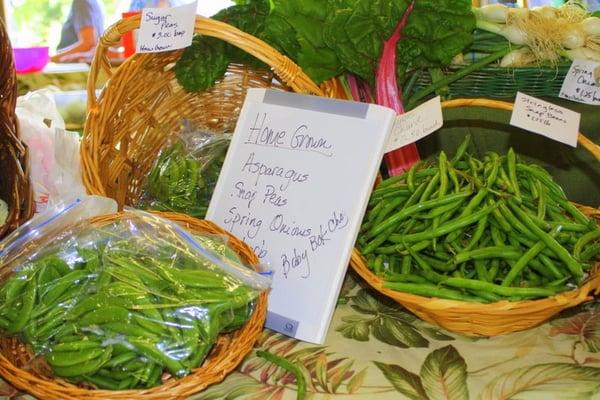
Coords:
pixel 547 119
pixel 294 185
pixel 166 29
pixel 416 124
pixel 582 82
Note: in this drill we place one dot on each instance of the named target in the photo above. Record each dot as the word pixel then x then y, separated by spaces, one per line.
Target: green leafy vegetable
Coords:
pixel 201 64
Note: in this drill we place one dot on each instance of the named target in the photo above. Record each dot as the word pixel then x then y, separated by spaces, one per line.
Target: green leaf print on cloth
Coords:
pixel 388 323
pixel 443 375
pixel 545 381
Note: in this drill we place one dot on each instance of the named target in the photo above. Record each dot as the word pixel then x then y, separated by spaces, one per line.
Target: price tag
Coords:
pixel 166 29
pixel 416 124
pixel 547 119
pixel 582 83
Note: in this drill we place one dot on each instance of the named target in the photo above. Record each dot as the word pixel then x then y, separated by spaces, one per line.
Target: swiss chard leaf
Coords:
pixel 437 30
pixel 201 64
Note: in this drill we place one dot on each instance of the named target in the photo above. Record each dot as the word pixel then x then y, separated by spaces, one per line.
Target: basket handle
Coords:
pixel 503 105
pixel 290 73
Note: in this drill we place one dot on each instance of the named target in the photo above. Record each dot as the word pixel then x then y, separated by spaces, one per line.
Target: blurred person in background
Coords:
pixel 138 5
pixel 80 32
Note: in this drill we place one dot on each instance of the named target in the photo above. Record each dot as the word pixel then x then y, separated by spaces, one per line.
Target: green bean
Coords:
pixel 461 150
pixel 414 198
pixel 378 241
pixel 288 366
pixel 515 222
pixel 443 229
pixel 405 278
pixel 406 212
pixel 541 208
pixel 454 178
pixel 389 207
pixel 498 289
pixel 584 240
pixel 494 269
pixel 429 290
pixel 479 230
pixel 506 252
pixel 511 159
pixel 590 252
pixel 431 186
pixel 481 270
pixel 410 180
pixel 406 265
pixel 471 206
pixel 574 267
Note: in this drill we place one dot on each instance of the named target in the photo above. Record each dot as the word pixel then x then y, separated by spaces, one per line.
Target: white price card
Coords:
pixel 166 29
pixel 547 119
pixel 416 124
pixel 295 185
pixel 582 83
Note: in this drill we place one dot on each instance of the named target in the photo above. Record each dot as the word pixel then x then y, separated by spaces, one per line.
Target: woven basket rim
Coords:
pixel 197 380
pixel 428 308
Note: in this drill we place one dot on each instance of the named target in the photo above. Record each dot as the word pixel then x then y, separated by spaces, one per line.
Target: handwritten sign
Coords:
pixel 547 119
pixel 416 124
pixel 295 185
pixel 166 29
pixel 582 83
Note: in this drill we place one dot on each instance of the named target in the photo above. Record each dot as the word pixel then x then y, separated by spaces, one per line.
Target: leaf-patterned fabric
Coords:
pixel 375 349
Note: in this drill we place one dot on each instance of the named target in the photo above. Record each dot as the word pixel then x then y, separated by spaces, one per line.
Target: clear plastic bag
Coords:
pixel 185 173
pixel 119 301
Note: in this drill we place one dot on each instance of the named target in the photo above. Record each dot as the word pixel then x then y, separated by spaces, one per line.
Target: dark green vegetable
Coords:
pixel 184 176
pixel 159 307
pixel 288 366
pixel 505 233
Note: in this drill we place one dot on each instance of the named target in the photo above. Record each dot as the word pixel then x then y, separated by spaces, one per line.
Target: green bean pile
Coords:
pixel 119 318
pixel 183 180
pixel 479 230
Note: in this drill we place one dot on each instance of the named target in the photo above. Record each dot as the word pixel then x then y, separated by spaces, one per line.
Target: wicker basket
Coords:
pixel 227 353
pixel 503 83
pixel 15 187
pixel 477 319
pixel 142 105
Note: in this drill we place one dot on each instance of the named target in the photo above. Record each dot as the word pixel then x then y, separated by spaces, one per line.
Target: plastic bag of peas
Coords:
pixel 185 173
pixel 122 301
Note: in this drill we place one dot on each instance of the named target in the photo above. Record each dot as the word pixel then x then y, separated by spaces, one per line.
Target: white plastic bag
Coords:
pixel 54 152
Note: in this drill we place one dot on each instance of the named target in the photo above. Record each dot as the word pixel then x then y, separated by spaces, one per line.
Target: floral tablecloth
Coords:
pixel 375 349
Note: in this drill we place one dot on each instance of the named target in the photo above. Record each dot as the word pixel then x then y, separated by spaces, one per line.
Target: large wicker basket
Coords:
pixel 17 368
pixel 15 188
pixel 492 319
pixel 142 105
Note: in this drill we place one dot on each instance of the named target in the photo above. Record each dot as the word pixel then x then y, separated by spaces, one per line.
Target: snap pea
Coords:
pixel 68 358
pixel 85 368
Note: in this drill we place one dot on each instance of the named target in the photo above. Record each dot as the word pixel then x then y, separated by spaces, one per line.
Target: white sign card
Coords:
pixel 547 119
pixel 416 124
pixel 295 185
pixel 582 83
pixel 166 29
